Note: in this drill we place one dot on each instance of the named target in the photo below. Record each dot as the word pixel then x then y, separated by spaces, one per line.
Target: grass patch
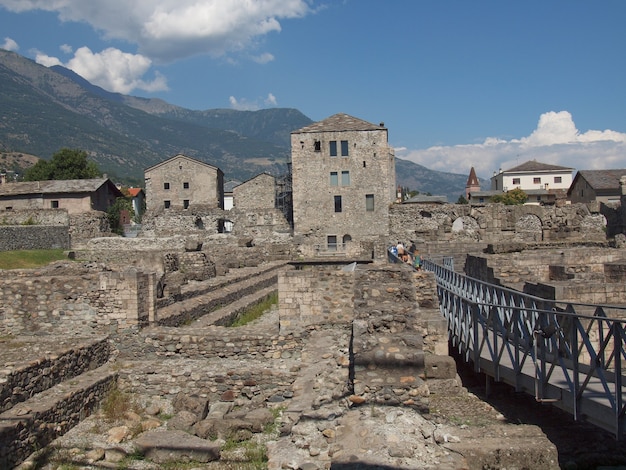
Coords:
pixel 116 404
pixel 26 259
pixel 256 311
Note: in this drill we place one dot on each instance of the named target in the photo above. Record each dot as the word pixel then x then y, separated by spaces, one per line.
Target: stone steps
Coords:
pixel 229 292
pixel 27 372
pixel 34 423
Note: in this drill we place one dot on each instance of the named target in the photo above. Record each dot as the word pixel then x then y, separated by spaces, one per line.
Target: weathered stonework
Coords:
pixel 182 182
pixel 494 223
pixel 256 193
pixel 91 300
pixel 341 200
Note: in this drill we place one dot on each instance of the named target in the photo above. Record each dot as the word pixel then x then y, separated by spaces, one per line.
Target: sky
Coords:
pixel 488 84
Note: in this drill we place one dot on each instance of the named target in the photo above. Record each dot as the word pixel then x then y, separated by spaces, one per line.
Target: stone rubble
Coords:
pixel 320 424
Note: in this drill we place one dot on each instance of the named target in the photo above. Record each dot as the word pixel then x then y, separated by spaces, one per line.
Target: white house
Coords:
pixel 532 175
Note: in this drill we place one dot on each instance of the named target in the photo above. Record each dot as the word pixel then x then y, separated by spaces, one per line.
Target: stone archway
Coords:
pixel 529 228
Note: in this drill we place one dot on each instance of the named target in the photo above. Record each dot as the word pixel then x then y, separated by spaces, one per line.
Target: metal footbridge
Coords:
pixel 567 354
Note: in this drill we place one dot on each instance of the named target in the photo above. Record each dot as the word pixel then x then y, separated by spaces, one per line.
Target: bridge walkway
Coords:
pixel 567 354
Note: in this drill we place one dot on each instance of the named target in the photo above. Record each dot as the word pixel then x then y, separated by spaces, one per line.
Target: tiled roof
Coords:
pixel 180 156
pixel 603 179
pixel 534 165
pixel 53 186
pixel 472 179
pixel 340 122
pixel 134 191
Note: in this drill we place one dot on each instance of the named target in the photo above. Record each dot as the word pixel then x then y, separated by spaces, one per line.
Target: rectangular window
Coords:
pixel 557 179
pixel 166 204
pixel 186 204
pixel 9 208
pixel 337 203
pixel 318 146
pixel 185 185
pixel 369 202
pixel 334 178
pixel 345 178
pixel 537 180
pixel 166 186
pixel 54 204
pixel 344 148
pixel 331 242
pixel 515 181
pixel 333 148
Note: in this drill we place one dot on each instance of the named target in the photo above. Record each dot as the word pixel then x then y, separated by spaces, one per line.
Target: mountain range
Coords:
pixel 43 109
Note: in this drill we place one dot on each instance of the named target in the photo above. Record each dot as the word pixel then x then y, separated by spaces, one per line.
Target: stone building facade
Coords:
pixel 596 186
pixel 343 179
pixel 73 196
pixel 256 193
pixel 183 183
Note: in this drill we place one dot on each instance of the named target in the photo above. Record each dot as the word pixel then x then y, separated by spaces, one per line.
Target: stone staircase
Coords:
pixel 49 384
pixel 44 394
pixel 219 300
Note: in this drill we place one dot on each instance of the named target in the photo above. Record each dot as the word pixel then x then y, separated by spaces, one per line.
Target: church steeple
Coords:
pixel 472 184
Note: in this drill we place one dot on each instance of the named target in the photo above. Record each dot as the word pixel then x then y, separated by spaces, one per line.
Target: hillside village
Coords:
pixel 146 313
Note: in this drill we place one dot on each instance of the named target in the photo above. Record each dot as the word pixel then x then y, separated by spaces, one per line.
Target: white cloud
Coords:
pixel 555 141
pixel 163 31
pixel 270 100
pixel 9 45
pixel 263 58
pixel 244 104
pixel 46 60
pixel 110 69
pixel 167 30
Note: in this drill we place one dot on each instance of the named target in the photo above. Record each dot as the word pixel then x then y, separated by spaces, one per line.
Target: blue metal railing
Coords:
pixel 569 354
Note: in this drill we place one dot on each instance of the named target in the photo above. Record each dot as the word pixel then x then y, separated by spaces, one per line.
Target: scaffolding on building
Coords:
pixel 284 191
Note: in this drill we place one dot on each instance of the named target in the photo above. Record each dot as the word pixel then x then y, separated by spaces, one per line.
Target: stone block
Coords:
pixel 439 367
pixel 171 446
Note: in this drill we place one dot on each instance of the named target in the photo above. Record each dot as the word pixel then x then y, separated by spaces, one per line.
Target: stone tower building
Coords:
pixel 343 179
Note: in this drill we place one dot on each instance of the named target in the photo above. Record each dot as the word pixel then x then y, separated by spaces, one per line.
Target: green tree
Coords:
pixel 511 198
pixel 462 200
pixel 113 213
pixel 66 164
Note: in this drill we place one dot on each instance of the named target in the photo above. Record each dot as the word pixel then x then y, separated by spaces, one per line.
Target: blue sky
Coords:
pixel 458 83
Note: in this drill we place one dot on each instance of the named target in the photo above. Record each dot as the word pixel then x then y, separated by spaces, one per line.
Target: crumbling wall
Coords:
pixel 31 303
pixel 496 223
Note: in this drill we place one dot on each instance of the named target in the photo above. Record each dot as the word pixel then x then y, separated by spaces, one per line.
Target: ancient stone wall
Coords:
pixel 88 225
pixel 49 228
pixel 494 223
pixel 314 297
pixel 535 265
pixel 23 432
pixel 31 303
pixel 150 254
pixel 222 342
pixel 22 383
pixel 34 237
pixel 598 293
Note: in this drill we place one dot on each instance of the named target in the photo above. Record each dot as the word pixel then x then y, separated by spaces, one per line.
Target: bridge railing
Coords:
pixel 579 348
